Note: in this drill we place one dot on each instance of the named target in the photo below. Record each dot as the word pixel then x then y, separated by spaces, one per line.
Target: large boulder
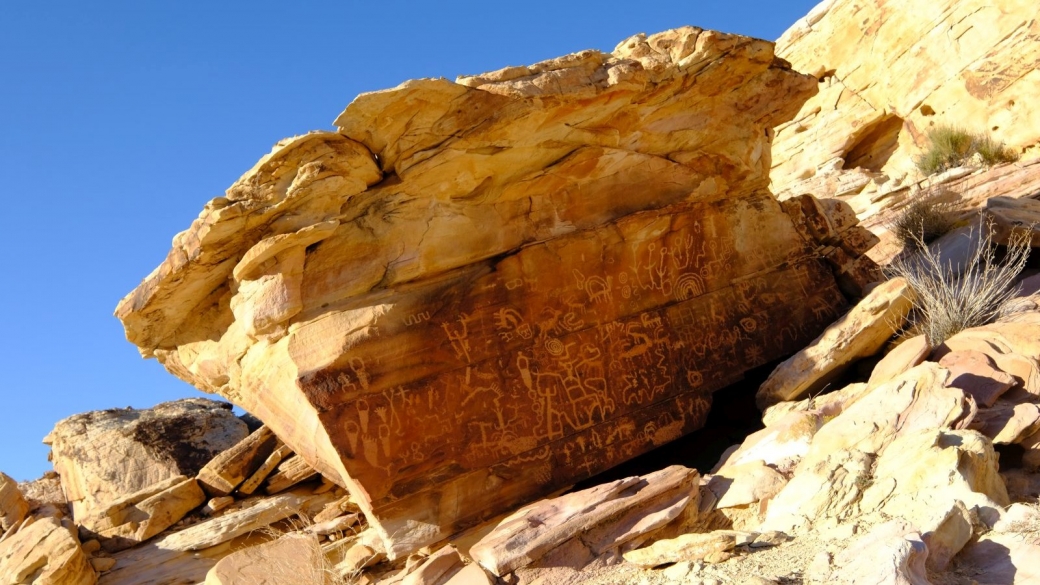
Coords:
pixel 153 445
pixel 475 293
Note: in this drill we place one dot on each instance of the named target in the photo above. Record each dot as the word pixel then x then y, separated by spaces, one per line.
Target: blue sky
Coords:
pixel 119 120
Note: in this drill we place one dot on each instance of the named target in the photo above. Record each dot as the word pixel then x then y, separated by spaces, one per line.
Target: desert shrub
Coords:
pixel 950 297
pixel 993 152
pixel 926 217
pixel 950 146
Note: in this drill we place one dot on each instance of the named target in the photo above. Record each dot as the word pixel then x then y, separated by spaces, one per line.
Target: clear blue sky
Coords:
pixel 120 119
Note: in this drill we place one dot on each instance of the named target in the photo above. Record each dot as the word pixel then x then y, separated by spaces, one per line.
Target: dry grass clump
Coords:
pixel 950 297
pixel 950 147
pixel 926 217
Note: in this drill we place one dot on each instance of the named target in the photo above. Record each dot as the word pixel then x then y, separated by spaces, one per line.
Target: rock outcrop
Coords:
pixel 889 70
pixel 154 445
pixel 477 292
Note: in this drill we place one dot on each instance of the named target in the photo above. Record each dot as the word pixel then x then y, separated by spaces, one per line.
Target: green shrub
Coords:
pixel 926 217
pixel 950 146
pixel 948 298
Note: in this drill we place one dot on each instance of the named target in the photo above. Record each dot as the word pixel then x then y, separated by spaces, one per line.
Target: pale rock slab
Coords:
pixel 782 444
pixel 254 515
pixel 293 559
pixel 138 517
pixel 904 356
pixel 44 552
pixel 931 478
pixel 687 547
pixel 860 333
pixel 1003 558
pixel 227 470
pixel 352 276
pixel 891 553
pixel 171 439
pixel 747 483
pixel 438 569
pixel 977 374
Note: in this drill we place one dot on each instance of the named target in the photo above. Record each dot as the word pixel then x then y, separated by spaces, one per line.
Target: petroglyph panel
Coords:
pixel 600 345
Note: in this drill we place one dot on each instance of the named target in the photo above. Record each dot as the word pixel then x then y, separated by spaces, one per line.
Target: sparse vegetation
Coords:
pixel 949 296
pixel 950 146
pixel 926 217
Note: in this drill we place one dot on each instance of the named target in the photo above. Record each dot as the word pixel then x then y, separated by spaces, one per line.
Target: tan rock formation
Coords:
pixel 477 292
pixel 13 506
pixel 890 69
pixel 44 552
pixel 139 516
pixel 171 439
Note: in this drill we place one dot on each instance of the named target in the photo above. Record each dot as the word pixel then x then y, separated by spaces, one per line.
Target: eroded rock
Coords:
pixel 154 445
pixel 450 327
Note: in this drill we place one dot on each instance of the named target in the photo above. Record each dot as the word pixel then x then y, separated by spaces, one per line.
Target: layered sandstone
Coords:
pixel 477 292
pixel 889 70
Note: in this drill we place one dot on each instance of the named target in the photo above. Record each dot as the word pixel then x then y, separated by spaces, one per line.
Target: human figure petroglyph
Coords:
pixel 458 335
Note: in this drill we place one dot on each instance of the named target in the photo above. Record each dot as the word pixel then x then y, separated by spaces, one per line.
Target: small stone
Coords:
pixel 102 564
pixel 770 538
pixel 717 557
pixel 217 504
pixel 91 546
pixel 678 571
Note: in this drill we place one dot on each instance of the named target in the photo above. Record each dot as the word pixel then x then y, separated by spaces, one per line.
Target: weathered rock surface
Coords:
pixel 253 515
pixel 44 553
pixel 156 444
pixel 888 70
pixel 478 292
pixel 137 517
pixel 860 333
pixel 227 470
pixel 598 519
pixel 294 559
pixel 13 506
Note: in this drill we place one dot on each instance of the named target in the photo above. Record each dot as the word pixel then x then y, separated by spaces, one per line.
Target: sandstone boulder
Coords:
pixel 154 445
pixel 44 552
pixel 137 517
pixel 13 506
pixel 862 332
pixel 476 293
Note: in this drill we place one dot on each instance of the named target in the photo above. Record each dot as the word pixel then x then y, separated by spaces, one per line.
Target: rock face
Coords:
pixel 156 444
pixel 890 69
pixel 45 553
pixel 477 292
